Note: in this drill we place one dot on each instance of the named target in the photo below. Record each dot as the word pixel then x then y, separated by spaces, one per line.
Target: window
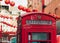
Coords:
pixel 4 38
pixel 30 2
pixel 47 2
pixel 39 42
pixel 5 7
pixel 0 39
pixel 39 37
pixel 58 27
pixel 39 1
pixel 29 6
pixel 13 40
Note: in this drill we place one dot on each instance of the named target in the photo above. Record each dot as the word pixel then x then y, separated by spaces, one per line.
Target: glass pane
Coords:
pixel 39 36
pixel 29 42
pixel 35 42
pixel 40 42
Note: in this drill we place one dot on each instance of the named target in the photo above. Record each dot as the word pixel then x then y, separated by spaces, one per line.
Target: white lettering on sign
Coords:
pixel 40 22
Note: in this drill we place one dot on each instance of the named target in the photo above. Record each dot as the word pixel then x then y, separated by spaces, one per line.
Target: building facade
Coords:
pixel 8 22
pixel 34 4
pixel 38 4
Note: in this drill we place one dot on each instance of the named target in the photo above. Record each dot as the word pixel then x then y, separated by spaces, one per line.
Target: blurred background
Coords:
pixel 10 12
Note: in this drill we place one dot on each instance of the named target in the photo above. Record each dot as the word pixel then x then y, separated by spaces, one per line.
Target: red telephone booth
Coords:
pixel 36 28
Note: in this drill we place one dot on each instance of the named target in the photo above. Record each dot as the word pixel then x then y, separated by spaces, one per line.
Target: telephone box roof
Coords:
pixel 51 15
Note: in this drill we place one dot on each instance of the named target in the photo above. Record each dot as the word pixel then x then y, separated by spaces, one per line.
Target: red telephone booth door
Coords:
pixel 36 36
pixel 38 28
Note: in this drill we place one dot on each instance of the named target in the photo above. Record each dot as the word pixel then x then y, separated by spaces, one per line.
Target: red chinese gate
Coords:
pixel 36 28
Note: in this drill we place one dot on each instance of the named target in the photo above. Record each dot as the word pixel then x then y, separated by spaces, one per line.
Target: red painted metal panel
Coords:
pixel 58 38
pixel 33 26
pixel 0 30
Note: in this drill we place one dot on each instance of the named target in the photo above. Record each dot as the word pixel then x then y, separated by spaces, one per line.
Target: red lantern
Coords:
pixel 7 1
pixel 16 18
pixel 12 3
pixel 11 17
pixel 51 14
pixel 24 9
pixel 34 10
pixel 58 17
pixel 20 7
pixel 28 10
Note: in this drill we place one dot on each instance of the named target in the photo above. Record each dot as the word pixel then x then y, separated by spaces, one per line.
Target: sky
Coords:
pixel 17 2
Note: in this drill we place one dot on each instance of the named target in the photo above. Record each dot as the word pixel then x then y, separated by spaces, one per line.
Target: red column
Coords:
pixel 0 30
pixel 0 0
pixel 42 5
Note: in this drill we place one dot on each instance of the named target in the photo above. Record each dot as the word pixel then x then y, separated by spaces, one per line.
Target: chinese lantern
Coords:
pixel 6 17
pixel 12 3
pixel 58 17
pixel 52 14
pixel 34 10
pixel 7 1
pixel 20 7
pixel 24 9
pixel 16 18
pixel 11 17
pixel 28 10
